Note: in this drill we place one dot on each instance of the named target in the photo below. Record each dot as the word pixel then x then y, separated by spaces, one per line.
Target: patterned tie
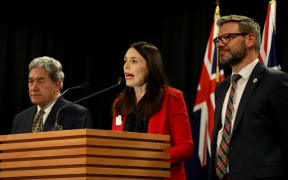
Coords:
pixel 38 122
pixel 221 157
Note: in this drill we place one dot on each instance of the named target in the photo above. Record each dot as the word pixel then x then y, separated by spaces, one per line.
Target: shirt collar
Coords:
pixel 247 70
pixel 48 108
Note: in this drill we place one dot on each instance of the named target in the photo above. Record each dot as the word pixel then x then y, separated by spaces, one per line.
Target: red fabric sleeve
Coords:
pixel 182 144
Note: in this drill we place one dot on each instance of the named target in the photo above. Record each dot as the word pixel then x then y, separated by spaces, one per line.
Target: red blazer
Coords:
pixel 172 119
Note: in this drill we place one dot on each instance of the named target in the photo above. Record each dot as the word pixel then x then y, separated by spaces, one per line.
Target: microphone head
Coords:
pixel 120 79
pixel 84 85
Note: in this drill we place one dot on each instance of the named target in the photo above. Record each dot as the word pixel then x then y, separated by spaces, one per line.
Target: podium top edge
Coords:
pixel 85 132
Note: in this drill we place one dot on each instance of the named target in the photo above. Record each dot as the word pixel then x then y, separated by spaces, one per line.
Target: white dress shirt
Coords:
pixel 46 111
pixel 241 84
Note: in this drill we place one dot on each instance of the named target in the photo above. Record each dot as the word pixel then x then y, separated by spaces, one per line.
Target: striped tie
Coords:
pixel 38 122
pixel 221 157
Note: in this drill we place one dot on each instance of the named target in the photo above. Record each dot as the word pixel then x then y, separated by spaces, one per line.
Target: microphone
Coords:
pixel 83 85
pixel 58 127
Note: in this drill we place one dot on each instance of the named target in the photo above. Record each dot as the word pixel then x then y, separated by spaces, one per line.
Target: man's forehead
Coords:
pixel 230 27
pixel 36 76
pixel 39 77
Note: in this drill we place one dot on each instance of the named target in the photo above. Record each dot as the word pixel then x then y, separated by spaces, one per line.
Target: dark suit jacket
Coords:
pixel 72 117
pixel 259 140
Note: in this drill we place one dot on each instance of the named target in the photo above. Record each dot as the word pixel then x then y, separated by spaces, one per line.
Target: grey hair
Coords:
pixel 246 25
pixel 51 65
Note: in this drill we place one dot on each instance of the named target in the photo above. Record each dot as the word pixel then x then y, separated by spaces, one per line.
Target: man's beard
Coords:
pixel 234 58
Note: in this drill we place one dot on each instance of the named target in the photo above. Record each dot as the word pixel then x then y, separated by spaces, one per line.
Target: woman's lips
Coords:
pixel 128 76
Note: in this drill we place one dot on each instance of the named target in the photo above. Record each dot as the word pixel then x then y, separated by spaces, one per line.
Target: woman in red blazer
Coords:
pixel 148 105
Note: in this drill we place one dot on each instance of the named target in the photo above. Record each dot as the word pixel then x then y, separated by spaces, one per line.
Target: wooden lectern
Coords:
pixel 84 154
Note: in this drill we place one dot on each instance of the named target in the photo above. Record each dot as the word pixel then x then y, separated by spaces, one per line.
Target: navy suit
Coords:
pixel 259 140
pixel 72 117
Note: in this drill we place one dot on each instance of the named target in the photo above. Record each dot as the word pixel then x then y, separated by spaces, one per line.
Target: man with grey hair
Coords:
pixel 45 82
pixel 250 139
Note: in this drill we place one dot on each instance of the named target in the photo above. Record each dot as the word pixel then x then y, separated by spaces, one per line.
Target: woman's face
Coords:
pixel 135 69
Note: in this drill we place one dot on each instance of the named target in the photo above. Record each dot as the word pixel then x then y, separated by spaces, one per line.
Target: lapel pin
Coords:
pixel 255 80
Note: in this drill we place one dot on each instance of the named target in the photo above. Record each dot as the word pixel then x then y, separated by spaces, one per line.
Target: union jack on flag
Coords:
pixel 268 50
pixel 205 95
pixel 203 112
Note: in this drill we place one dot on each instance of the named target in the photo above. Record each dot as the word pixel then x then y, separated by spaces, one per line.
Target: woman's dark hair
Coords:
pixel 156 80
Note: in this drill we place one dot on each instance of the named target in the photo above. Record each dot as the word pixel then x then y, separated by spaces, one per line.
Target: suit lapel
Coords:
pixel 30 119
pixel 221 93
pixel 253 80
pixel 221 97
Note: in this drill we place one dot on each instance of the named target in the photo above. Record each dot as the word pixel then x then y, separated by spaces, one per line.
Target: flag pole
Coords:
pixel 216 16
pixel 271 3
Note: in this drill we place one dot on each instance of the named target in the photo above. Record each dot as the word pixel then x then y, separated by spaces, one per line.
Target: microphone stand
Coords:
pixel 83 85
pixel 58 127
pixel 75 87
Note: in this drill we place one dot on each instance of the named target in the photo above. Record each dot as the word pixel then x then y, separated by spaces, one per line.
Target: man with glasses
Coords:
pixel 250 138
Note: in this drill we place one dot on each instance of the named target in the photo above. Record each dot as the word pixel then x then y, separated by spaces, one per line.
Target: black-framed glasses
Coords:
pixel 225 38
